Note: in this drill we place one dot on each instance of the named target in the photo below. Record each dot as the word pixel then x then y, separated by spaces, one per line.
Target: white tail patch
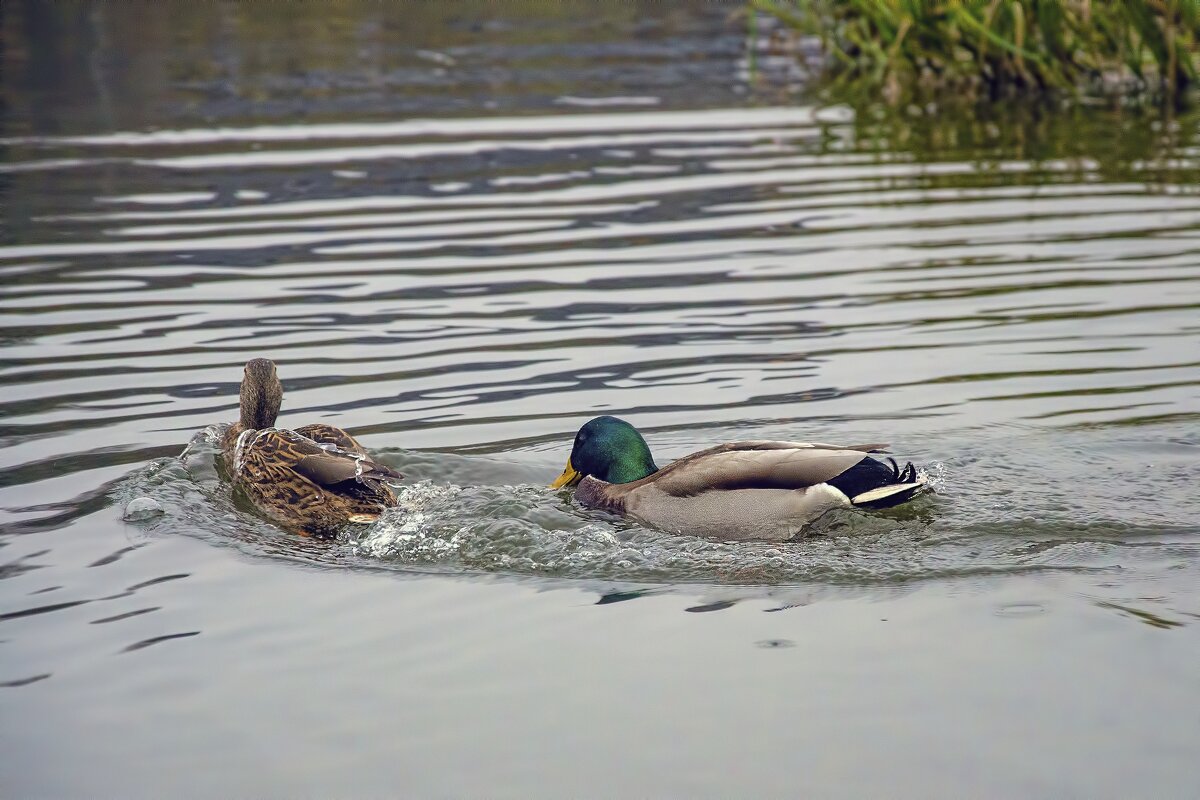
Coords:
pixel 876 495
pixel 362 519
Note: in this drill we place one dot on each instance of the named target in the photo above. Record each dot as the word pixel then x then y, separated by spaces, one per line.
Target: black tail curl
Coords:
pixel 906 475
pixel 870 474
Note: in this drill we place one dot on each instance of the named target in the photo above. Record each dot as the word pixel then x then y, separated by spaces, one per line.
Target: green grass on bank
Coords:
pixel 905 50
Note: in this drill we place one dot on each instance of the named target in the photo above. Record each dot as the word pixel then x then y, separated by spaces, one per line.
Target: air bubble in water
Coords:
pixel 142 508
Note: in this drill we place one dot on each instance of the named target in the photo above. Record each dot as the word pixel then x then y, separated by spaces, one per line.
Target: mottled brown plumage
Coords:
pixel 313 479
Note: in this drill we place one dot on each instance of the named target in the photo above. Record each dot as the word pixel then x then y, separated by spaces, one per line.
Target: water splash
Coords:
pixel 470 520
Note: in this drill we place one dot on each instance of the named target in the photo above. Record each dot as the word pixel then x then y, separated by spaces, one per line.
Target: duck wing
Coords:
pixel 324 466
pixel 330 469
pixel 757 465
pixel 330 434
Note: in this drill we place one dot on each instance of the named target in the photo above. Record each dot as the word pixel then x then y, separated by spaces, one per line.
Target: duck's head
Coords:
pixel 261 395
pixel 609 449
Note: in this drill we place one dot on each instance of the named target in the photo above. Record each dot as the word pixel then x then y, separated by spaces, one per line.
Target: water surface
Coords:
pixel 463 238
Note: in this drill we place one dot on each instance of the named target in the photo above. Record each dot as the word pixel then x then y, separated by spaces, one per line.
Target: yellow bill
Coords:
pixel 569 477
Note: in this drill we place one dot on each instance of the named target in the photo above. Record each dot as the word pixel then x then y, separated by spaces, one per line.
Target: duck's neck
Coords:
pixel 630 466
pixel 257 418
pixel 259 407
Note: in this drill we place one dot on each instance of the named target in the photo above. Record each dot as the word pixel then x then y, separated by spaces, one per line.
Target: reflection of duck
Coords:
pixel 739 490
pixel 314 478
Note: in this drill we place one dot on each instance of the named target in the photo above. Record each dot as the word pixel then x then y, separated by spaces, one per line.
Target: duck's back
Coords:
pixel 738 490
pixel 758 464
pixel 309 486
pixel 330 434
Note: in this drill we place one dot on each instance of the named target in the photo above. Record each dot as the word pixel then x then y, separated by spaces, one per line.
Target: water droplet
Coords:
pixel 142 508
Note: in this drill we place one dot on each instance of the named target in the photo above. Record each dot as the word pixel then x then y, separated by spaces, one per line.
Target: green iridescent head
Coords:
pixel 609 449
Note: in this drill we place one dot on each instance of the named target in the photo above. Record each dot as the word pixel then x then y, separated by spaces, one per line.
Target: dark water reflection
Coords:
pixel 461 230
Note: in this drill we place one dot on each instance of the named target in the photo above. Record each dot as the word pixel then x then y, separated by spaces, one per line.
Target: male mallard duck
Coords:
pixel 738 490
pixel 315 478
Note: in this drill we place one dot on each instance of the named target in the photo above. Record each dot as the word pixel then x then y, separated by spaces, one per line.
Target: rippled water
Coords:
pixel 499 227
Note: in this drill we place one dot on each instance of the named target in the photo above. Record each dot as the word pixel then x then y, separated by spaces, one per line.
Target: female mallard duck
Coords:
pixel 739 490
pixel 315 478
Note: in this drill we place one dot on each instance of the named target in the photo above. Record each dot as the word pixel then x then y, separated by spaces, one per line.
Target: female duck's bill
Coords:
pixel 753 489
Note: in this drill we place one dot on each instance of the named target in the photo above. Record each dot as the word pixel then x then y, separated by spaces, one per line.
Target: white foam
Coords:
pixel 407 526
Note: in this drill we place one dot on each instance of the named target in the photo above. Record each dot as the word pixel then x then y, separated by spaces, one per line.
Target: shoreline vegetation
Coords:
pixel 921 52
